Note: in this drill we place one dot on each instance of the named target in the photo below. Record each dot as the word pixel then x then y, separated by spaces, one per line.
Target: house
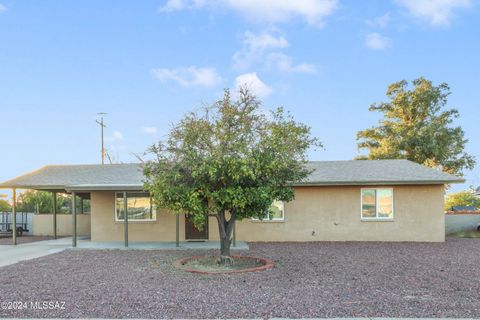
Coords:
pixel 358 200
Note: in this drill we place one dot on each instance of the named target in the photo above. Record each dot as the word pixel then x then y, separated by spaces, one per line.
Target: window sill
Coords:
pixel 268 221
pixel 136 221
pixel 377 220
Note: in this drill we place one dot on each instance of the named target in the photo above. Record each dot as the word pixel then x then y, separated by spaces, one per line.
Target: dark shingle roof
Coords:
pixel 356 172
pixel 130 177
pixel 61 177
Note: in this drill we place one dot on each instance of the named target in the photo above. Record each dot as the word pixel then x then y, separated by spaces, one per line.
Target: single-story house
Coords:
pixel 357 200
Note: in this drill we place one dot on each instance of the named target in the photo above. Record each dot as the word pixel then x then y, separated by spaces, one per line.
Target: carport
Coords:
pixel 78 181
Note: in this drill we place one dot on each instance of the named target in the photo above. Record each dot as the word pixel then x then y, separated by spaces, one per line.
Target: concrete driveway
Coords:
pixel 10 254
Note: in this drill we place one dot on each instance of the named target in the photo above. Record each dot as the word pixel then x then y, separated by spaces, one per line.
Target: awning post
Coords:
pixel 14 213
pixel 125 218
pixel 74 219
pixel 54 212
pixel 177 230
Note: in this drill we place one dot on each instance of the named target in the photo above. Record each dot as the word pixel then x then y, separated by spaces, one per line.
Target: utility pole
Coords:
pixel 102 125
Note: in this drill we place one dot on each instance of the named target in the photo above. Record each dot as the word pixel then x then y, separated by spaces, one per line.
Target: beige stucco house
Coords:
pixel 379 200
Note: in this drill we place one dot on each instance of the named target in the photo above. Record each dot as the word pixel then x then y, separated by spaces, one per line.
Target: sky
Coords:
pixel 147 63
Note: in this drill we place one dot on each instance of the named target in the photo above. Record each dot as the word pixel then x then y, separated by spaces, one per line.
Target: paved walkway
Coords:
pixel 10 254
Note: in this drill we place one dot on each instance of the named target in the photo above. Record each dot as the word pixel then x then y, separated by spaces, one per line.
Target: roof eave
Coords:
pixel 34 187
pixel 113 187
pixel 373 183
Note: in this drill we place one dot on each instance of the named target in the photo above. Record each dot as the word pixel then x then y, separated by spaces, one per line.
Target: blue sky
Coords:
pixel 146 63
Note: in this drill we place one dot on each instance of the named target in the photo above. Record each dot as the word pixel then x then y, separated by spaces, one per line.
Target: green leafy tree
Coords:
pixel 231 161
pixel 33 201
pixel 417 126
pixel 5 206
pixel 42 201
pixel 462 198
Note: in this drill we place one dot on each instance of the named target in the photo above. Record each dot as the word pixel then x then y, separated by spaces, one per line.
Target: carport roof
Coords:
pixel 81 178
pixel 324 173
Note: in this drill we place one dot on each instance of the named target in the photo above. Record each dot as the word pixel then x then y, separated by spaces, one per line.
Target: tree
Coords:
pixel 462 198
pixel 416 126
pixel 33 201
pixel 5 206
pixel 42 201
pixel 231 161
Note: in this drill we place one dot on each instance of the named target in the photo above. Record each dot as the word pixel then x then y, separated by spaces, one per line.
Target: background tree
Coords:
pixel 231 162
pixel 462 198
pixel 416 126
pixel 42 202
pixel 34 201
pixel 5 206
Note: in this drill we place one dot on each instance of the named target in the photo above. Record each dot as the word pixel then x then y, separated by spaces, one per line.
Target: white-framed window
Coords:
pixel 139 207
pixel 377 204
pixel 276 212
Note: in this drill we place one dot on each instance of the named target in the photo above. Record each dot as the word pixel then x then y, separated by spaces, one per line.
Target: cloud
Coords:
pixel 116 136
pixel 270 11
pixel 149 130
pixel 189 76
pixel 255 46
pixel 380 22
pixel 436 12
pixel 2 8
pixel 376 41
pixel 283 63
pixel 252 82
pixel 175 5
pixel 264 48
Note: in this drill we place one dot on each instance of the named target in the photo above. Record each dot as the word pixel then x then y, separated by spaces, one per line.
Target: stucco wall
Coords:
pixel 104 227
pixel 316 214
pixel 43 224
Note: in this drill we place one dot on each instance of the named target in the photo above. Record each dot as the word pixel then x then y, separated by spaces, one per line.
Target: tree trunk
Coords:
pixel 225 229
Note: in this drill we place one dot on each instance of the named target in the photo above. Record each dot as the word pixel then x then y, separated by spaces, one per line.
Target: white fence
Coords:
pixel 24 219
pixel 461 222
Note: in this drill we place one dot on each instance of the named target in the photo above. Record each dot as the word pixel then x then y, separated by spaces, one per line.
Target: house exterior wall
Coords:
pixel 42 224
pixel 316 214
pixel 105 228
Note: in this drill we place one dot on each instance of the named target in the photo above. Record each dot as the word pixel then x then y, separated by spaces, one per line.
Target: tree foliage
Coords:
pixel 42 202
pixel 5 206
pixel 462 198
pixel 417 126
pixel 230 161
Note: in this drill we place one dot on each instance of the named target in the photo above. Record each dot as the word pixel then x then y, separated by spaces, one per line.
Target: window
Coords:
pixel 276 212
pixel 139 207
pixel 377 204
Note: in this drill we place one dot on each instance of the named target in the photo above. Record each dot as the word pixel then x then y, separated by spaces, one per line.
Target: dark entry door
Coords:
pixel 192 233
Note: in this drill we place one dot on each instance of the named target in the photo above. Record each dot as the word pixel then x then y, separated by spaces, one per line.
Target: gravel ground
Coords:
pixel 23 239
pixel 309 280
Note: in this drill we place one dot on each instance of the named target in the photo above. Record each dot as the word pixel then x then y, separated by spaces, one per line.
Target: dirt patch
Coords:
pixel 210 264
pixel 466 234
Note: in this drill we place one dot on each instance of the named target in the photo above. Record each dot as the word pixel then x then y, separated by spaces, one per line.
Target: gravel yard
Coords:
pixel 309 280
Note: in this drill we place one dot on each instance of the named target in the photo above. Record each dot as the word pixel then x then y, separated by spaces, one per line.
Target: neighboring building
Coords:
pixel 463 208
pixel 477 192
pixel 378 200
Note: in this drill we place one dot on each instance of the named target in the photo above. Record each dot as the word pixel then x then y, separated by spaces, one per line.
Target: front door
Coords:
pixel 192 233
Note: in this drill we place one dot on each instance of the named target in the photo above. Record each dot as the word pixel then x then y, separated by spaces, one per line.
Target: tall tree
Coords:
pixel 462 198
pixel 231 161
pixel 5 206
pixel 417 126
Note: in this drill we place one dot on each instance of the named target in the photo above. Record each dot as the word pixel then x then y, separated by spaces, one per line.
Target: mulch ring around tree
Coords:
pixel 210 265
